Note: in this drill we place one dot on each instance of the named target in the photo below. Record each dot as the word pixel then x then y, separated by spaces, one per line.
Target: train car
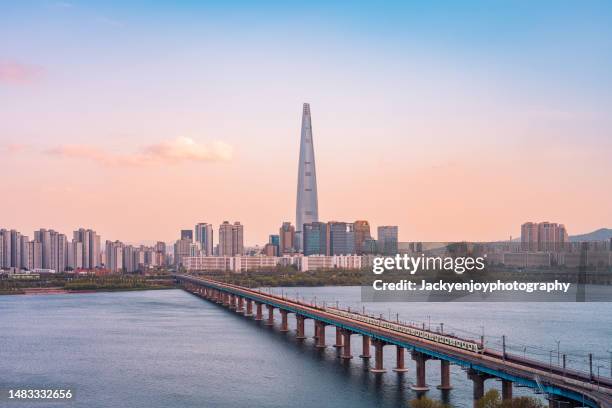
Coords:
pixel 413 331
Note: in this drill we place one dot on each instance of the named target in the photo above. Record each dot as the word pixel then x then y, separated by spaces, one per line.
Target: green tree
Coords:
pixel 491 399
pixel 425 402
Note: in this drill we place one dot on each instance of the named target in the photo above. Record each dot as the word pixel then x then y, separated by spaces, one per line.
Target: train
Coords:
pixel 448 340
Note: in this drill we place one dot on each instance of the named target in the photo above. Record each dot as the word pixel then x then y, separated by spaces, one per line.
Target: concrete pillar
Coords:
pixel 338 337
pixel 400 367
pixel 225 299
pixel 478 379
pixel 444 376
pixel 240 308
pixel 284 323
pixel 249 307
pixel 232 302
pixel 378 357
pixel 506 390
pixel 346 340
pixel 300 327
pixel 320 334
pixel 259 315
pixel 365 351
pixel 420 359
pixel 270 319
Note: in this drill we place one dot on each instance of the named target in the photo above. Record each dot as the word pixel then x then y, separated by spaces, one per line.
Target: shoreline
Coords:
pixel 62 291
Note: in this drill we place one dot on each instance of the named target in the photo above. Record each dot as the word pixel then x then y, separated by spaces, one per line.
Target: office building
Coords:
pixel 315 237
pixel 341 238
pixel 204 237
pixel 286 238
pixel 387 239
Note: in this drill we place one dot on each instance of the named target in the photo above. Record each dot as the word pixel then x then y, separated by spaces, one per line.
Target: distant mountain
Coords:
pixel 601 234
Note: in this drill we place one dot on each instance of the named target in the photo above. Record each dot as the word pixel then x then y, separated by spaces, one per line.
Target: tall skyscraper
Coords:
pixel 204 237
pixel 307 207
pixel 286 235
pixel 387 239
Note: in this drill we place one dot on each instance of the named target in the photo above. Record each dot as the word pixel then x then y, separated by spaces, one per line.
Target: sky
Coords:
pixel 453 120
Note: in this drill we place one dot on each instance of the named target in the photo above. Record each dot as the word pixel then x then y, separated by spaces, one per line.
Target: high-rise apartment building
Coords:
pixel 387 239
pixel 54 249
pixel 307 207
pixel 160 253
pixel 34 249
pixel 315 237
pixel 231 239
pixel 238 238
pixel 286 235
pixel 204 237
pixel 543 236
pixel 182 248
pixel 341 238
pixel 90 246
pixel 113 254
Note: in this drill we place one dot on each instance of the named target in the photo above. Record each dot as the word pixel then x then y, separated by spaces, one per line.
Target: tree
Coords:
pixel 492 400
pixel 425 402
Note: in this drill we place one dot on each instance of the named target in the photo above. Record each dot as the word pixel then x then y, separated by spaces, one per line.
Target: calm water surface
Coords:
pixel 160 349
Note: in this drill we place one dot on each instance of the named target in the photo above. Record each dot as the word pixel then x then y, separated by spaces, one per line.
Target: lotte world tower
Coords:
pixel 306 208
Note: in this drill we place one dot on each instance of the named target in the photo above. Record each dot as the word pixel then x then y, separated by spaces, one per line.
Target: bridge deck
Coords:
pixel 570 384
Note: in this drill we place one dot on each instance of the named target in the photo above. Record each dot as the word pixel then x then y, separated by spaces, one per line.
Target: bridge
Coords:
pixel 564 388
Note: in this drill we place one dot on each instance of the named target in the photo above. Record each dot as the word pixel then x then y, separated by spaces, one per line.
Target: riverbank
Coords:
pixel 89 284
pixel 332 277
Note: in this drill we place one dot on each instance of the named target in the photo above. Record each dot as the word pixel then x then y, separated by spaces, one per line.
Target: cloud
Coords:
pixel 12 72
pixel 15 148
pixel 175 151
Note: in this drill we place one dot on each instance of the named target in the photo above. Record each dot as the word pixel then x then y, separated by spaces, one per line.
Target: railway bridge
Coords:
pixel 565 388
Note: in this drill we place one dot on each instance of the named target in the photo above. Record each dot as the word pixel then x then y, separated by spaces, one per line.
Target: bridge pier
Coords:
pixel 249 308
pixel 226 300
pixel 240 308
pixel 232 302
pixel 478 379
pixel 338 337
pixel 270 319
pixel 259 314
pixel 346 348
pixel 300 327
pixel 365 351
pixel 421 360
pixel 400 367
pixel 445 376
pixel 320 332
pixel 506 390
pixel 284 324
pixel 378 357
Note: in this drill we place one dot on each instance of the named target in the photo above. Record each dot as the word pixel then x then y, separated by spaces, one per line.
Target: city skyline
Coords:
pixel 436 131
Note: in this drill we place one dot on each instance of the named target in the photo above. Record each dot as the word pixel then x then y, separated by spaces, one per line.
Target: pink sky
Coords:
pixel 163 119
